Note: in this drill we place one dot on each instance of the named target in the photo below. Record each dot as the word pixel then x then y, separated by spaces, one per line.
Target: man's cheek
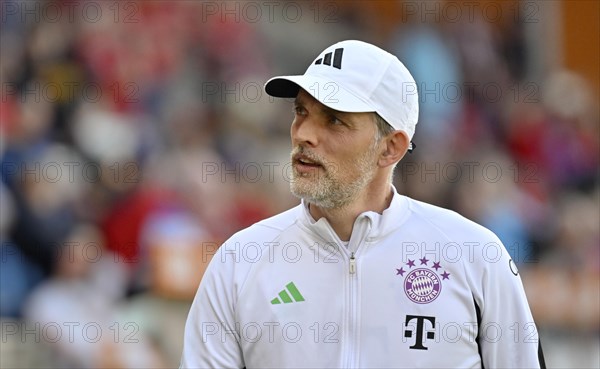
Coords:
pixel 331 170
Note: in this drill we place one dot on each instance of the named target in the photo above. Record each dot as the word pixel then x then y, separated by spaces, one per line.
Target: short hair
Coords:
pixel 383 127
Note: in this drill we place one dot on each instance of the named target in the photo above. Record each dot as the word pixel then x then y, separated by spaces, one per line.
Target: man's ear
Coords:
pixel 396 146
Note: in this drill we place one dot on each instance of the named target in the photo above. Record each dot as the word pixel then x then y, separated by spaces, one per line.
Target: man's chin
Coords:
pixel 302 192
pixel 311 198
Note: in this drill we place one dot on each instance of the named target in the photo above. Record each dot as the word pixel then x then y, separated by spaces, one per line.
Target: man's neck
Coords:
pixel 342 219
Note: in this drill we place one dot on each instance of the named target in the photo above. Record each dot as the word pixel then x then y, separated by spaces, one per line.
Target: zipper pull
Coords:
pixel 352 264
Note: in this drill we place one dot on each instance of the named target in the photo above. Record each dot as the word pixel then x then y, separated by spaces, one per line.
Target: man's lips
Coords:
pixel 301 161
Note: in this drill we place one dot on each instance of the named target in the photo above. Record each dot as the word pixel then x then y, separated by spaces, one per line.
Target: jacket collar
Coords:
pixel 374 224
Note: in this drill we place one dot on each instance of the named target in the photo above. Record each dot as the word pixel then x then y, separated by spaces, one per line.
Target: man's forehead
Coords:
pixel 304 98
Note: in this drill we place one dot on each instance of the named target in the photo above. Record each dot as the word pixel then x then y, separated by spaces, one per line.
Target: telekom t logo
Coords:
pixel 420 323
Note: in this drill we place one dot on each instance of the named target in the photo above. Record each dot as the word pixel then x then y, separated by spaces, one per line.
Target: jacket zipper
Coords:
pixel 353 318
pixel 352 314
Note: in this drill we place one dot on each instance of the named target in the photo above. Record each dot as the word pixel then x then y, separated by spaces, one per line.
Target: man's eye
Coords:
pixel 335 120
pixel 298 110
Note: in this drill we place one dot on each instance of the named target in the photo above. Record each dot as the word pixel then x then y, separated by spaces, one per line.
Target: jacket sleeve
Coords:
pixel 508 336
pixel 211 338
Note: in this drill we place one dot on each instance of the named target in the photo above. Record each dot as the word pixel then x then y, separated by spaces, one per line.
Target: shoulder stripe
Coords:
pixel 541 354
pixel 477 339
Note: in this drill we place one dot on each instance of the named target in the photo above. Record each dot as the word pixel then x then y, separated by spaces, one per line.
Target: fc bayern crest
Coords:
pixel 422 285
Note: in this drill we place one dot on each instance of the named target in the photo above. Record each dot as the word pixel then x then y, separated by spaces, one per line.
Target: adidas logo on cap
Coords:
pixel 337 59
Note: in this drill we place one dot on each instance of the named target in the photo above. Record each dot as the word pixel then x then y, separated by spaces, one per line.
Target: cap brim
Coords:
pixel 326 91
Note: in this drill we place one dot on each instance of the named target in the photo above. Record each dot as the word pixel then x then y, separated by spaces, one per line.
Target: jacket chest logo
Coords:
pixel 423 284
pixel 288 295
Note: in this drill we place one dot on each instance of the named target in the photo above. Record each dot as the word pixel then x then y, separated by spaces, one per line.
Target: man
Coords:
pixel 358 275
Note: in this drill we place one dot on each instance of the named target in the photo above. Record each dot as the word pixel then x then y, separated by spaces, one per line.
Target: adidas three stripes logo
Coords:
pixel 337 59
pixel 284 295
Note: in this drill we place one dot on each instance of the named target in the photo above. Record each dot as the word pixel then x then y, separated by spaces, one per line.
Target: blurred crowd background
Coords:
pixel 135 138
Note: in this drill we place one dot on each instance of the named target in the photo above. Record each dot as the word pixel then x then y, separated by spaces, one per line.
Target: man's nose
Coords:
pixel 304 131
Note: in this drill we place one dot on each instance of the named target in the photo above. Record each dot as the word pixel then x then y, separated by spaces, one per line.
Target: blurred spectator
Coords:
pixel 45 196
pixel 84 288
pixel 18 275
pixel 433 60
pixel 178 250
pixel 499 204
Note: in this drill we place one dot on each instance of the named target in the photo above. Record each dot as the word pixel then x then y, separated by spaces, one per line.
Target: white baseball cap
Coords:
pixel 354 76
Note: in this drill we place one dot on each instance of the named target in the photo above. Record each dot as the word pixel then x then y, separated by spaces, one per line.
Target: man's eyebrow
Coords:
pixel 330 111
pixel 327 110
pixel 323 108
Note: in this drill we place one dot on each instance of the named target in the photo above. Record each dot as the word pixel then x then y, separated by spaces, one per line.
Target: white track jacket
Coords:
pixel 417 286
